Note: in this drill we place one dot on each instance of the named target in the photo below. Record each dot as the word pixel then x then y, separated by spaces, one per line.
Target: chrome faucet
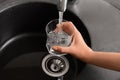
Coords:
pixel 62 5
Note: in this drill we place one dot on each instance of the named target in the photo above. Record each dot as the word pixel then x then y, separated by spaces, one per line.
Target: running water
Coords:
pixel 60 16
pixel 60 21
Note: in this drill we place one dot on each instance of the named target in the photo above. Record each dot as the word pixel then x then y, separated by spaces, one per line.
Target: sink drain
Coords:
pixel 55 66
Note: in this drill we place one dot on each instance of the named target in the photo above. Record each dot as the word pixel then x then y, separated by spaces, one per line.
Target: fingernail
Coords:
pixel 54 47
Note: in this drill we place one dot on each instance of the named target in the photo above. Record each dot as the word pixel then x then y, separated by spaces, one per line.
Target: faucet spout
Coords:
pixel 62 5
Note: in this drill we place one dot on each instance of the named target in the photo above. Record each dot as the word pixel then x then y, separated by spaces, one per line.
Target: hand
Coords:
pixel 78 47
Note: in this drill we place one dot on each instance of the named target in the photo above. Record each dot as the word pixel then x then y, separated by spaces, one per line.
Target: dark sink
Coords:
pixel 23 39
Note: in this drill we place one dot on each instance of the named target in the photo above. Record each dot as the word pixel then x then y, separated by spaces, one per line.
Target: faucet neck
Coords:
pixel 62 5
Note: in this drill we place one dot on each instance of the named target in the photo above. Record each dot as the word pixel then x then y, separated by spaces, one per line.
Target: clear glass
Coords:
pixel 56 37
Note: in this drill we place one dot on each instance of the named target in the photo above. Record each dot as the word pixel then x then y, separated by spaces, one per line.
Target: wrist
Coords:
pixel 89 55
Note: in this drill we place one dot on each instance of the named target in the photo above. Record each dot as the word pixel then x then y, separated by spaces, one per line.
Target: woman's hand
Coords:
pixel 78 47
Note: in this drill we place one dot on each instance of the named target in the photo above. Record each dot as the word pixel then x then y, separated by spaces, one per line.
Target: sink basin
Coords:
pixel 23 39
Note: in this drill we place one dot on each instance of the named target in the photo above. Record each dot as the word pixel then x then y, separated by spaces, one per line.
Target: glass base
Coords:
pixel 53 52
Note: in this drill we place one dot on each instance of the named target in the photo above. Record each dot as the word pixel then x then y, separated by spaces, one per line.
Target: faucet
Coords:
pixel 62 5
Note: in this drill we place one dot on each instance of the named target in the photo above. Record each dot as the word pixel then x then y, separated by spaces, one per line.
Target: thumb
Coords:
pixel 61 49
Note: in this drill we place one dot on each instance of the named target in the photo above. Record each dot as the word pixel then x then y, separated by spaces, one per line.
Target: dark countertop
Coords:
pixel 103 23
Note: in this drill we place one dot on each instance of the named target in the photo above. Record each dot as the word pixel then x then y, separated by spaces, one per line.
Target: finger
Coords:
pixel 61 49
pixel 68 27
pixel 58 27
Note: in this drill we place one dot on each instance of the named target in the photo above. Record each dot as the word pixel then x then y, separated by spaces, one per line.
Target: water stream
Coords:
pixel 60 31
pixel 60 16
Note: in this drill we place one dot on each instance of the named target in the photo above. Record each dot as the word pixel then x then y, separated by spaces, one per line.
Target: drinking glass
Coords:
pixel 56 37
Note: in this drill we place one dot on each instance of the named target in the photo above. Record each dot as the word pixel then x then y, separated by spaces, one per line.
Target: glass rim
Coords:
pixel 64 20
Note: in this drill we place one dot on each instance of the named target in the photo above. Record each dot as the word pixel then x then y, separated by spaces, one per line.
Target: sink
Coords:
pixel 23 39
